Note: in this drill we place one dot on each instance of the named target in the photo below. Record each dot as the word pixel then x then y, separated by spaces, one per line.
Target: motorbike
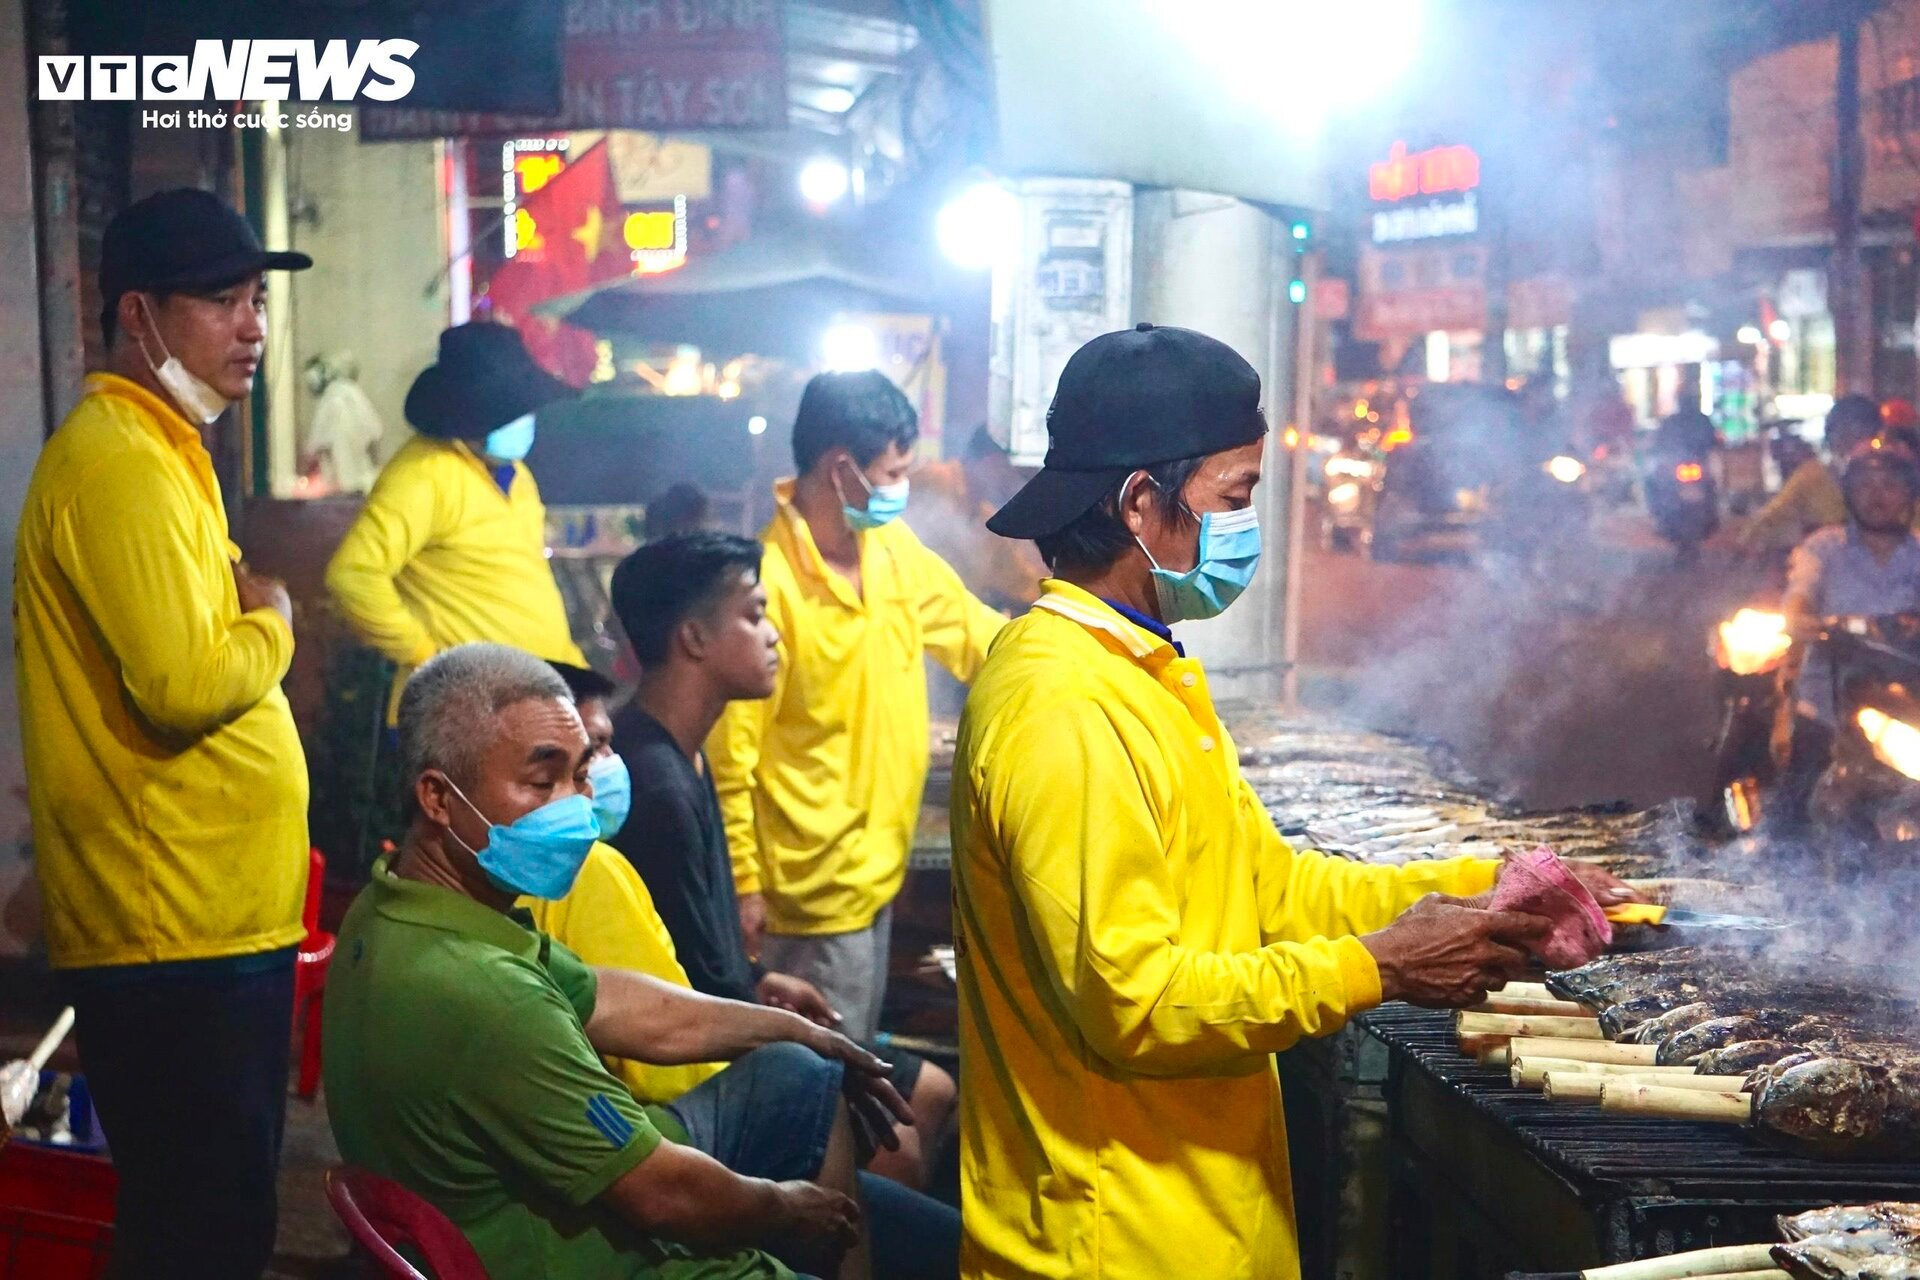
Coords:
pixel 1683 500
pixel 1749 649
pixel 1869 796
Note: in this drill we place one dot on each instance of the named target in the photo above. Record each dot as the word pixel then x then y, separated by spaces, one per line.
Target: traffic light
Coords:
pixel 1302 232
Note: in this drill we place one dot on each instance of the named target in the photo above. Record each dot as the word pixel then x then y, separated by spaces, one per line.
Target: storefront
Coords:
pixel 1436 283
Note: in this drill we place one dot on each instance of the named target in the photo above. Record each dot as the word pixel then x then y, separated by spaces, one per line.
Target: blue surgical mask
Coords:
pixel 541 854
pixel 612 793
pixel 1229 554
pixel 511 442
pixel 885 503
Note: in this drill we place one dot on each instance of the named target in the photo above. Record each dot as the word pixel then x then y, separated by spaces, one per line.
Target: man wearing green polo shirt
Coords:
pixel 463 1049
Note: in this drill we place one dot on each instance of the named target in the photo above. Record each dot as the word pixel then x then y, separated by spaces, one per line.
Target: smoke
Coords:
pixel 1579 677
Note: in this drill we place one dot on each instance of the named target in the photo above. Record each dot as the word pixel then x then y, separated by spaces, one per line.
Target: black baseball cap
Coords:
pixel 183 239
pixel 1127 400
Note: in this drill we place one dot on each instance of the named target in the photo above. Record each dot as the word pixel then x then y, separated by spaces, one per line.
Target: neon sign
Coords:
pixel 1423 173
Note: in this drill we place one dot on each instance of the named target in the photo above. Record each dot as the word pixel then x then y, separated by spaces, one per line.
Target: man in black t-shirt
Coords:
pixel 696 615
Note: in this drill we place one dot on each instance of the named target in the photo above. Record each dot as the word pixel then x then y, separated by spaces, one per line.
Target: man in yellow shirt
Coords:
pixel 1135 940
pixel 165 778
pixel 948 510
pixel 1810 498
pixel 452 544
pixel 820 784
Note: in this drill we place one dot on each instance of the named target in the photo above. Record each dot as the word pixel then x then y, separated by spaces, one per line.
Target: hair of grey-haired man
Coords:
pixel 449 704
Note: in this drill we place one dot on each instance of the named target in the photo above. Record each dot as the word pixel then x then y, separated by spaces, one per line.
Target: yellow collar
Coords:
pixel 1096 615
pixel 174 429
pixel 160 417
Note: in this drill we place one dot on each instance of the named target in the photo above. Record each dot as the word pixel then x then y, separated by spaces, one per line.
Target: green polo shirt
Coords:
pixel 458 1065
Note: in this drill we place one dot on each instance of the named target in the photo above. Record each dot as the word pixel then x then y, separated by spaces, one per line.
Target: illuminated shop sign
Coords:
pixel 1431 194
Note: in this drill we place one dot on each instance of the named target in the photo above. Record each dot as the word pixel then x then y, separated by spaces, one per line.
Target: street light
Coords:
pixel 1338 54
pixel 824 182
pixel 979 227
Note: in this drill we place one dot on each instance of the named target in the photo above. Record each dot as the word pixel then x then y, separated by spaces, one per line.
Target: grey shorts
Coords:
pixel 849 968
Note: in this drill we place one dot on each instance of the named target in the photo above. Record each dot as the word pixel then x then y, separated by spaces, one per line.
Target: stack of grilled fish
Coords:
pixel 1381 799
pixel 1831 1056
pixel 1853 1242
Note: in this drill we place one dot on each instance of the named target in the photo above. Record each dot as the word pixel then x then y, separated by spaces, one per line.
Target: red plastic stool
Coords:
pixel 380 1214
pixel 310 977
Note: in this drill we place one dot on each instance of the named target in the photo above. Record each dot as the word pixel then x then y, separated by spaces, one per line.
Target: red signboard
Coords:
pixel 1435 171
pixel 1459 308
pixel 657 65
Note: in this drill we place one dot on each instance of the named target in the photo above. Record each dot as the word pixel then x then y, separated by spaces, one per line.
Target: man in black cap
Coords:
pixel 451 547
pixel 166 781
pixel 1135 940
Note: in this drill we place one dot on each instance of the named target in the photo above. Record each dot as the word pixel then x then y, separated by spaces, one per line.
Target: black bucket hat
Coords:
pixel 484 379
pixel 1127 400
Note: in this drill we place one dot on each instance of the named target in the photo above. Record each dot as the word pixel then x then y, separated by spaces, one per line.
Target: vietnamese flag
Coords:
pixel 565 351
pixel 578 224
pixel 579 221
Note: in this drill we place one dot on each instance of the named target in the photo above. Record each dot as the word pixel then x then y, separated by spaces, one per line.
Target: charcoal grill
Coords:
pixel 1486 1179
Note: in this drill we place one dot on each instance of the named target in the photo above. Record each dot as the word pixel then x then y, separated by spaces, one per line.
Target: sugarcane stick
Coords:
pixel 1726 1107
pixel 1584 1086
pixel 1530 1007
pixel 1529 1072
pixel 1583 1050
pixel 1697 1265
pixel 1506 1024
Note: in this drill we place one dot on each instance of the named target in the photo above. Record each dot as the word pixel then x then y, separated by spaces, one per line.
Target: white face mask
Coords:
pixel 195 398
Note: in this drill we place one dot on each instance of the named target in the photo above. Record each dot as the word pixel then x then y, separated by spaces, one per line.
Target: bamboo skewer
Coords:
pixel 1577 1086
pixel 1765 1273
pixel 1582 1050
pixel 1698 1265
pixel 1526 991
pixel 1530 1072
pixel 1484 1024
pixel 1729 1107
pixel 1498 1056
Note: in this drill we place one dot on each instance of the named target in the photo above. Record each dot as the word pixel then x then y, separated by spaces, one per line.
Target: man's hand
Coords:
pixel 1443 955
pixel 1607 889
pixel 797 995
pixel 258 592
pixel 753 921
pixel 816 1222
pixel 874 1105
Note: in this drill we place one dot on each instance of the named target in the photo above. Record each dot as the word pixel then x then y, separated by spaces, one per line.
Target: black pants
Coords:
pixel 187 1064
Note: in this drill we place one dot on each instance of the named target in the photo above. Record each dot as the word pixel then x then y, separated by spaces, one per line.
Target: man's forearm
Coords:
pixel 682 1194
pixel 647 1020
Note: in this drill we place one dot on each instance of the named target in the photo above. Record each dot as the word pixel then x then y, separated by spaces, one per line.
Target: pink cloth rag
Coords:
pixel 1539 884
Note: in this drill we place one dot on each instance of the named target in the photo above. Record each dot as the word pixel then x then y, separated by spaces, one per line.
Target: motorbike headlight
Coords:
pixel 1344 497
pixel 1566 470
pixel 1752 642
pixel 1896 743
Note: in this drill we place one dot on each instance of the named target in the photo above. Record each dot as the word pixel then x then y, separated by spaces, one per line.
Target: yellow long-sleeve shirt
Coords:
pixel 1135 940
pixel 820 784
pixel 1810 499
pixel 164 775
pixel 439 557
pixel 608 919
